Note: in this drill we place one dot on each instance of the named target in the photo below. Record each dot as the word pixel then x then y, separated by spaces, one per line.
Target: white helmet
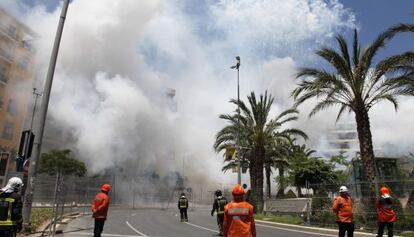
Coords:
pixel 13 185
pixel 343 189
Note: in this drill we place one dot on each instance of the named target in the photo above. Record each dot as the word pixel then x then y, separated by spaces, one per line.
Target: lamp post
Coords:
pixel 28 138
pixel 41 121
pixel 237 67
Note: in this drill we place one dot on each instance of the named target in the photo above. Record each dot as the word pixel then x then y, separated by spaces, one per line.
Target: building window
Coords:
pixel 12 107
pixel 1 104
pixel 3 74
pixel 8 131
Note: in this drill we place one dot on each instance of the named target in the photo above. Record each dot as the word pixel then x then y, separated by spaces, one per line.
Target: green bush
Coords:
pixel 39 216
pixel 286 219
pixel 321 213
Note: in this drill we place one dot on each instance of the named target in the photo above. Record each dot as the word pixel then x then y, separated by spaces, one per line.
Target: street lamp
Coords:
pixel 237 67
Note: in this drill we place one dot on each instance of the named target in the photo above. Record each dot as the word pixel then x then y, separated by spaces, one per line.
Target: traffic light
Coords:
pixel 235 169
pixel 230 153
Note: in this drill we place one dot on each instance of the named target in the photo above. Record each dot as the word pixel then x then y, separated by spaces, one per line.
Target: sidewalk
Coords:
pixel 309 229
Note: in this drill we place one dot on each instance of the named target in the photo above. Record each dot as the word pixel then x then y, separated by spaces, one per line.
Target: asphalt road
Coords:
pixel 157 222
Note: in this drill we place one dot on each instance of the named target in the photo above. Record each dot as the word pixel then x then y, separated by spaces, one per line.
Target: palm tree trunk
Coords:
pixel 367 152
pixel 252 197
pixel 259 178
pixel 268 186
pixel 281 192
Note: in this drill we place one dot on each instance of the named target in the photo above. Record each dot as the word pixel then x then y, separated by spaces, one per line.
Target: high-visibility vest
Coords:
pixel 221 204
pixel 183 203
pixel 6 208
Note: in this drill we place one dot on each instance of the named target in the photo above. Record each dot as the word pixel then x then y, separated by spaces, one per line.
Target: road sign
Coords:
pixel 230 153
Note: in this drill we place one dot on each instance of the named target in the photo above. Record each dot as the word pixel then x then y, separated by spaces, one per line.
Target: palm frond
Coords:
pixel 344 49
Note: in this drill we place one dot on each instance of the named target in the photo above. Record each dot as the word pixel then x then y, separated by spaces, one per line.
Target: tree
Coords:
pixel 254 129
pixel 277 147
pixel 312 172
pixel 60 161
pixel 356 84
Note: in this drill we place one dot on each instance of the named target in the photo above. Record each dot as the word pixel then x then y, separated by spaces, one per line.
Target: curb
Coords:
pixel 65 220
pixel 310 229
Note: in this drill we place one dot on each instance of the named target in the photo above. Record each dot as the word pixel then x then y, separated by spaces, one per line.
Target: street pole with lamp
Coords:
pixel 237 66
pixel 42 120
pixel 28 138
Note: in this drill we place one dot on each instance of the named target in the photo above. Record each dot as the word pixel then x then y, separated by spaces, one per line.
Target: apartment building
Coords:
pixel 16 80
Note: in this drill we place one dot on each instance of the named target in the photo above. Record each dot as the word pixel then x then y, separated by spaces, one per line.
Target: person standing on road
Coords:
pixel 238 216
pixel 218 206
pixel 100 207
pixel 386 214
pixel 183 206
pixel 11 208
pixel 342 207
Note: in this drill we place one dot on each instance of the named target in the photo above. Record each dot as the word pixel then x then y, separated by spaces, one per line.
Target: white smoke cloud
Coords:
pixel 118 58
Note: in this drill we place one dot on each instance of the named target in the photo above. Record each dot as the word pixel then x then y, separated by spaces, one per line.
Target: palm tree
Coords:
pixel 254 129
pixel 279 157
pixel 356 84
pixel 277 146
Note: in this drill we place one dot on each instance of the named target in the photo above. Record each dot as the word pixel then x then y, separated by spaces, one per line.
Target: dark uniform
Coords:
pixel 183 206
pixel 10 214
pixel 218 206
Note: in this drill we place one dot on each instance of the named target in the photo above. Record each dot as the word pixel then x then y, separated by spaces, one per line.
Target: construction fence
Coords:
pixel 315 206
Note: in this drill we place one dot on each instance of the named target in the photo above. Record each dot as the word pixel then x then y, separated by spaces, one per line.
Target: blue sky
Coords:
pixel 372 17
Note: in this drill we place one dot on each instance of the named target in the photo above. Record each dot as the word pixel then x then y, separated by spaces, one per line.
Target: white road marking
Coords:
pixel 91 234
pixel 292 230
pixel 201 227
pixel 133 214
pixel 138 232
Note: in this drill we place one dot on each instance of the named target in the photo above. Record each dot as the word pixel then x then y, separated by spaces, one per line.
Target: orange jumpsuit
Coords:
pixel 100 206
pixel 239 220
pixel 342 207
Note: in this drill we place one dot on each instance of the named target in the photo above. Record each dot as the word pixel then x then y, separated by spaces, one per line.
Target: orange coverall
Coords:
pixel 239 220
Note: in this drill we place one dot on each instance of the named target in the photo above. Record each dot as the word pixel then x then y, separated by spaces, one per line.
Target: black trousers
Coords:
pixel 381 226
pixel 183 214
pixel 99 224
pixel 220 222
pixel 346 227
pixel 7 233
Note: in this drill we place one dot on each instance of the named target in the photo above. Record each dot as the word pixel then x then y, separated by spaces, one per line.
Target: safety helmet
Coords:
pixel 218 193
pixel 385 192
pixel 343 189
pixel 182 194
pixel 237 190
pixel 13 185
pixel 106 188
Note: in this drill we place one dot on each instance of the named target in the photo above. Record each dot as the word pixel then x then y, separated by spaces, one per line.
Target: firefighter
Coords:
pixel 386 214
pixel 218 206
pixel 238 216
pixel 100 207
pixel 342 207
pixel 183 206
pixel 11 208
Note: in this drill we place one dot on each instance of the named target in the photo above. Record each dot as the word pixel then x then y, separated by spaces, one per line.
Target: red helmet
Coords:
pixel 106 188
pixel 238 190
pixel 384 192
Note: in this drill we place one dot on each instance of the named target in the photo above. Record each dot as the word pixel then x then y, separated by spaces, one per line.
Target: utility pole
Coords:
pixel 237 66
pixel 42 120
pixel 27 142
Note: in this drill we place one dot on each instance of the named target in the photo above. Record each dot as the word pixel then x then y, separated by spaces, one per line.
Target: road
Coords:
pixel 157 222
